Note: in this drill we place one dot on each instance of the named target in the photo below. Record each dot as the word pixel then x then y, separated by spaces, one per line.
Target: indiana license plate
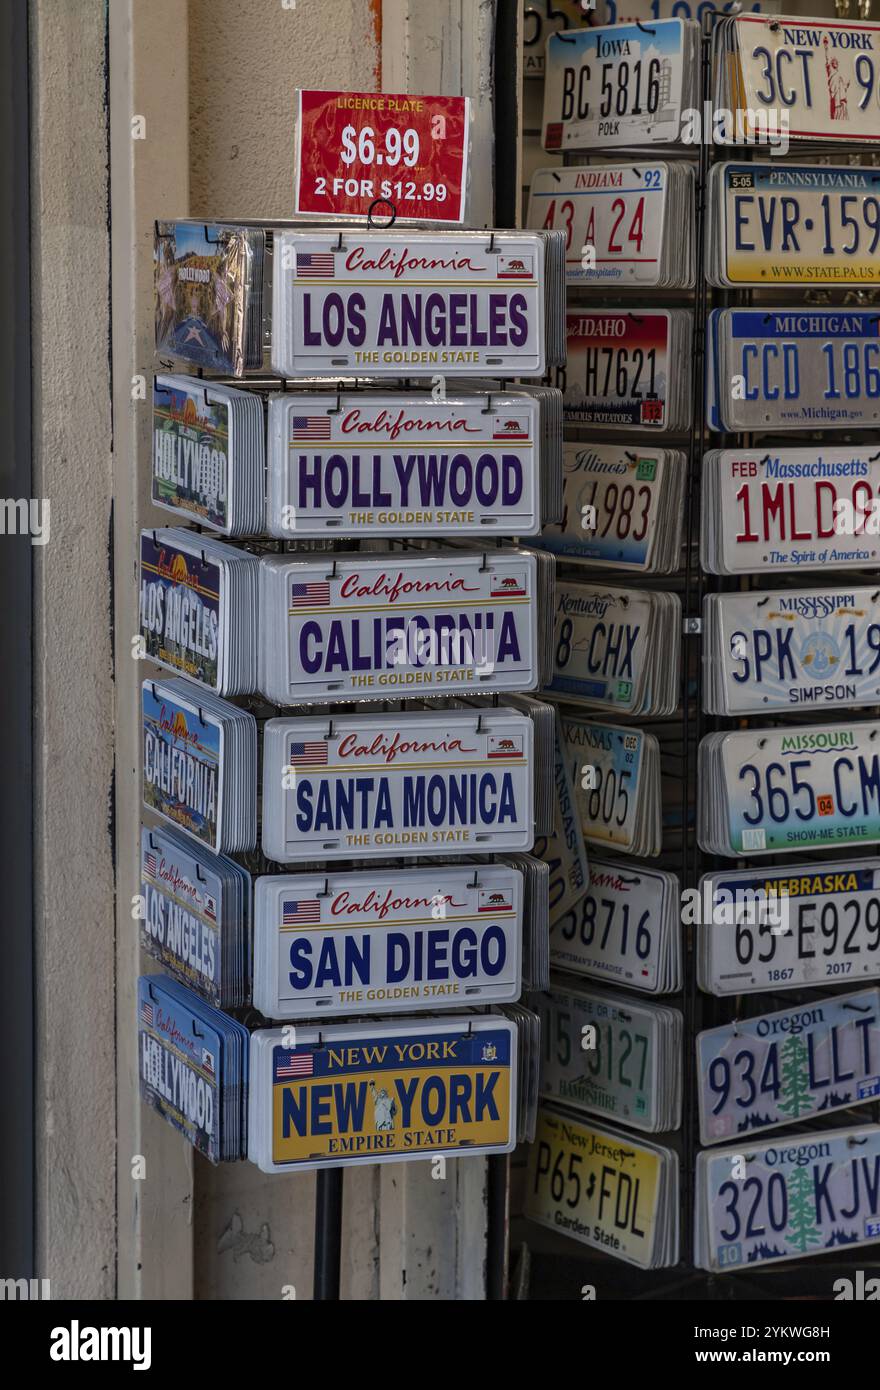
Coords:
pixel 618 211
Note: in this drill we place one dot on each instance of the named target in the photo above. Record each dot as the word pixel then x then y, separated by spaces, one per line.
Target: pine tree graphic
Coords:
pixel 795 1080
pixel 801 1231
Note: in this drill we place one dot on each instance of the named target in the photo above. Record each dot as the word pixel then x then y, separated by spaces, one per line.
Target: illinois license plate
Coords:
pixel 617 85
pixel 800 648
pixel 823 74
pixel 797 224
pixel 830 915
pixel 612 498
pixel 785 1067
pixel 617 210
pixel 618 367
pixel 803 788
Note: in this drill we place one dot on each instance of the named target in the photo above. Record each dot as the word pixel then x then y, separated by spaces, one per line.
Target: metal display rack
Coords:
pixel 559 1268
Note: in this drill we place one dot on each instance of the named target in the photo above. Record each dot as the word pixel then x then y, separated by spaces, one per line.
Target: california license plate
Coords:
pixel 808 925
pixel 784 223
pixel 823 74
pixel 782 1068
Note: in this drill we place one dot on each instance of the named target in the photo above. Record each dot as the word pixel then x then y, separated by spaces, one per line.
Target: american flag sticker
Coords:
pixel 147 1013
pixel 312 754
pixel 150 865
pixel 315 265
pixel 310 427
pixel 310 595
pixel 505 746
pixel 302 910
pixel 294 1064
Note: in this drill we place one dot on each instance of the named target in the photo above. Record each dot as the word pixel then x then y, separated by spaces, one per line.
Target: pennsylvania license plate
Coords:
pixel 798 224
pixel 823 74
pixel 782 1068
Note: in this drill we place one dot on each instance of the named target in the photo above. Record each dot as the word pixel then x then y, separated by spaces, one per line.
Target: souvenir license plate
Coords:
pixel 598 1187
pixel 182 766
pixel 806 370
pixel 622 488
pixel 803 788
pixel 784 507
pixel 390 304
pixel 393 1091
pixel 618 211
pixel 832 914
pixel 617 1075
pixel 781 1068
pixel 619 85
pixel 806 647
pixel 793 223
pixel 618 367
pixel 541 18
pixel 823 74
pixel 614 933
pixel 601 645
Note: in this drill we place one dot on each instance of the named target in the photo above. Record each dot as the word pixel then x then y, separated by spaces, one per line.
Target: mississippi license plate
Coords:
pixel 616 85
pixel 799 224
pixel 823 74
pixel 803 788
pixel 782 1068
pixel 595 1185
pixel 617 210
pixel 388 304
pixel 803 1194
pixel 796 648
pixel 831 919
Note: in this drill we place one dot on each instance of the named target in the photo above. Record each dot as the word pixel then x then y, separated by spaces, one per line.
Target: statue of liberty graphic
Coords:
pixel 837 88
pixel 384 1108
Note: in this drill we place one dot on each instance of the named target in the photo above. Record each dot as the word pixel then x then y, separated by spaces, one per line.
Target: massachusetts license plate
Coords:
pixel 799 648
pixel 389 303
pixel 782 1068
pixel 802 788
pixel 823 74
pixel 830 920
pixel 802 1194
pixel 617 85
pixel 798 224
pixel 617 210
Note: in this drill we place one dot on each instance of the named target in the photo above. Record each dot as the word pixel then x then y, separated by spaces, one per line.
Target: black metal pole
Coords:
pixel 328 1234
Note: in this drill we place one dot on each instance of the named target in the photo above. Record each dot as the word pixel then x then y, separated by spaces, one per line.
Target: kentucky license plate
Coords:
pixel 830 920
pixel 780 223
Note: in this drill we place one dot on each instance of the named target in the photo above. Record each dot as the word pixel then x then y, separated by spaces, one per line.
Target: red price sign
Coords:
pixel 405 155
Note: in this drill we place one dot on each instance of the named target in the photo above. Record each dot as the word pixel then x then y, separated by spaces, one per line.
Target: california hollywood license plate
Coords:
pixel 613 934
pixel 618 367
pixel 436 938
pixel 384 1092
pixel 610 1197
pixel 617 1077
pixel 779 507
pixel 786 1067
pixel 833 936
pixel 803 788
pixel 799 223
pixel 601 646
pixel 435 789
pixel 805 370
pixel 388 303
pixel 617 210
pixel 414 624
pixel 804 647
pixel 803 1194
pixel 823 74
pixel 183 760
pixel 619 85
pixel 191 452
pixel 469 465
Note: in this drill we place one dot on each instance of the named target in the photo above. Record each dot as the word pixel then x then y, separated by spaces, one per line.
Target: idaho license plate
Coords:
pixel 618 367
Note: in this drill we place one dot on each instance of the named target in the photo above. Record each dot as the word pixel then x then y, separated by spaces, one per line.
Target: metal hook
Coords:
pixel 153 688
pixel 325 892
pixel 334 410
pixel 331 732
pixel 332 574
pixel 201 717
pixel 487 408
pixel 635 318
pixel 640 25
pixel 491 247
pixel 218 241
pixel 151 842
pixel 852 1141
pixel 874 458
pixel 199 875
pixel 162 236
pixel 485 563
pixel 480 728
pixel 768 459
pixel 339 246
pixel 475 881
pixel 762 601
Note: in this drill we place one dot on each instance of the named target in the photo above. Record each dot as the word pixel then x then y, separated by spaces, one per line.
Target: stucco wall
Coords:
pixel 247 57
pixel 73 755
